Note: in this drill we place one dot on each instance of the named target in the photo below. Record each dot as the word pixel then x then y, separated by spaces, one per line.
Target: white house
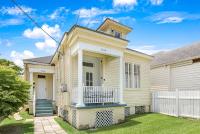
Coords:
pixel 176 69
pixel 93 79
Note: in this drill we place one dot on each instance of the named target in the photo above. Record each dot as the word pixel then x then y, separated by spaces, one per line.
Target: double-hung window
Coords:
pixel 136 76
pixel 132 75
pixel 128 75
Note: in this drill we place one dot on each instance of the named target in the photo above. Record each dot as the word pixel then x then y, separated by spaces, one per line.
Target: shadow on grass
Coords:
pixel 17 128
pixel 129 122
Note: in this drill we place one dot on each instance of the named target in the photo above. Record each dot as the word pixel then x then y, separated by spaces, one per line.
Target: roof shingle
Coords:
pixel 45 60
pixel 176 55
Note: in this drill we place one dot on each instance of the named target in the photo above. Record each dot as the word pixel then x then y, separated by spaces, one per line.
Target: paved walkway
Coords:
pixel 47 125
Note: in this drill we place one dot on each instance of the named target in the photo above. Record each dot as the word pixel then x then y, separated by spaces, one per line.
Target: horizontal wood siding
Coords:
pixel 160 78
pixel 111 72
pixel 140 96
pixel 186 77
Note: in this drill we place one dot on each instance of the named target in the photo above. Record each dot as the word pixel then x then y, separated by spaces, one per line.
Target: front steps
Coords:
pixel 44 107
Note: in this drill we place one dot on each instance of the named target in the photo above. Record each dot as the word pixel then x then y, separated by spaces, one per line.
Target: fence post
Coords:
pixel 177 102
pixel 153 102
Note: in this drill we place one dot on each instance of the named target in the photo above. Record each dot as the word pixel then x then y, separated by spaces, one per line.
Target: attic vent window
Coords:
pixel 117 34
pixel 196 60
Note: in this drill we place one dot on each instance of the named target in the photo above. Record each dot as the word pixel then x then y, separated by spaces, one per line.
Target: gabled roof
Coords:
pixel 177 55
pixel 44 60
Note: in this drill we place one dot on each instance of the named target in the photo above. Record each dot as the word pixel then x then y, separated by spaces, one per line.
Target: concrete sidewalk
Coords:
pixel 47 125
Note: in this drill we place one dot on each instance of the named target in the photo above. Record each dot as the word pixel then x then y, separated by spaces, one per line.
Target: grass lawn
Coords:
pixel 11 126
pixel 143 124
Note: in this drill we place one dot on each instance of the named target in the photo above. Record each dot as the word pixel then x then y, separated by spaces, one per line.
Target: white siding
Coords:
pixel 186 77
pixel 75 71
pixel 139 96
pixel 160 78
pixel 111 71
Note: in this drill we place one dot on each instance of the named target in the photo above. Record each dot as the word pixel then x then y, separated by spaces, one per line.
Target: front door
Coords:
pixel 41 94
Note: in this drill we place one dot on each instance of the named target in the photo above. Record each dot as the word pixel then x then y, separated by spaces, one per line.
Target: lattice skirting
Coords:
pixel 139 109
pixel 127 111
pixel 74 118
pixel 104 118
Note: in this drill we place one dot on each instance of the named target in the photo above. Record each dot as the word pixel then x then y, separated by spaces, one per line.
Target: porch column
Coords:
pixel 80 78
pixel 121 79
pixel 31 87
pixel 54 88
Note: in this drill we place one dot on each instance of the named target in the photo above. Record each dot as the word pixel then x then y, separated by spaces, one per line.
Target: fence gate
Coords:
pixel 180 102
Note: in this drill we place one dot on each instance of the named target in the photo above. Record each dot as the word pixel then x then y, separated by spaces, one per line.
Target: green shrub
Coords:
pixel 14 92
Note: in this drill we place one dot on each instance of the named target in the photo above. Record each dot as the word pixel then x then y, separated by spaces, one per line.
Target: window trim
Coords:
pixel 131 85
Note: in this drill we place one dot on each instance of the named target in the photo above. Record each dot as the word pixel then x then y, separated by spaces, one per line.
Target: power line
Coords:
pixel 27 15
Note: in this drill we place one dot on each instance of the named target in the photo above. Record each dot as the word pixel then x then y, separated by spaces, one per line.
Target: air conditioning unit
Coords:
pixel 63 87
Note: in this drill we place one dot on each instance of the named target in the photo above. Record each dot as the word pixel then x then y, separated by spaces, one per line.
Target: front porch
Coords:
pixel 97 77
pixel 42 92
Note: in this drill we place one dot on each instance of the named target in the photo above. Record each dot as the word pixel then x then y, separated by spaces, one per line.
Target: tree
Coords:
pixel 10 64
pixel 14 92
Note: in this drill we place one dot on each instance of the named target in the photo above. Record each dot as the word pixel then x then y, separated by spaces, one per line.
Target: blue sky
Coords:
pixel 158 25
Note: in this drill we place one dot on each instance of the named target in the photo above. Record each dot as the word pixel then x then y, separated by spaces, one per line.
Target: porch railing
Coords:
pixel 97 95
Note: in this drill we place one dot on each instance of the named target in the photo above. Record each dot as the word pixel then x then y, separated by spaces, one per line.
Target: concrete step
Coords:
pixel 44 105
pixel 44 111
pixel 43 114
pixel 44 108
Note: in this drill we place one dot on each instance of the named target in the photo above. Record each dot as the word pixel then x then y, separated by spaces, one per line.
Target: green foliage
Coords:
pixel 14 92
pixel 10 64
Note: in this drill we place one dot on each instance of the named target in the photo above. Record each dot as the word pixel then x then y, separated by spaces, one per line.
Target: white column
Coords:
pixel 54 88
pixel 31 82
pixel 80 78
pixel 121 71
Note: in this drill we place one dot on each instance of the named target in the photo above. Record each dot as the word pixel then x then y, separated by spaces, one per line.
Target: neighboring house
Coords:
pixel 176 69
pixel 93 79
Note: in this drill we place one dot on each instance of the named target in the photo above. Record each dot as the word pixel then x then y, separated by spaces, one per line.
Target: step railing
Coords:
pixel 34 101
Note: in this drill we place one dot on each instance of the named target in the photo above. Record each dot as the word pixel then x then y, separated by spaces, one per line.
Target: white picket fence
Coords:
pixel 180 102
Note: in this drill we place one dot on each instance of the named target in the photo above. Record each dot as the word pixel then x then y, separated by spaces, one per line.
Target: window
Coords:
pixel 89 79
pixel 136 76
pixel 117 34
pixel 132 75
pixel 128 75
pixel 87 64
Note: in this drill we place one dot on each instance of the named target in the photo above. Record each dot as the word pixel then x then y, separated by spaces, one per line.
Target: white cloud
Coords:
pixel 17 57
pixel 11 22
pixel 171 20
pixel 148 49
pixel 93 12
pixel 89 22
pixel 15 10
pixel 37 33
pixel 156 2
pixel 124 3
pixel 173 17
pixel 59 13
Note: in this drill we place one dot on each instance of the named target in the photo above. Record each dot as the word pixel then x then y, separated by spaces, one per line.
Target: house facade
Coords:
pixel 176 69
pixel 92 80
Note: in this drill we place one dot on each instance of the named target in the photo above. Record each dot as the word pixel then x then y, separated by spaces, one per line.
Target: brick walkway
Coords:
pixel 47 125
